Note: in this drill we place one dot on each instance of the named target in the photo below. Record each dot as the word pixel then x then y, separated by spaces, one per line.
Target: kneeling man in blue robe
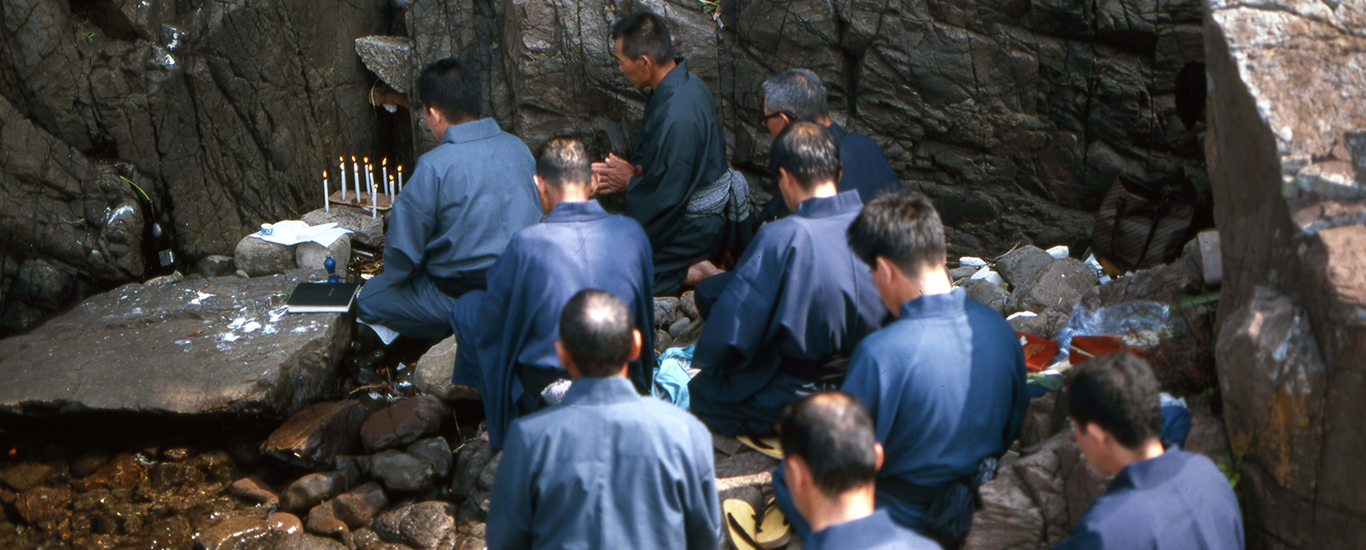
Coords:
pixel 1160 499
pixel 506 336
pixel 797 304
pixel 605 468
pixel 945 382
pixel 463 203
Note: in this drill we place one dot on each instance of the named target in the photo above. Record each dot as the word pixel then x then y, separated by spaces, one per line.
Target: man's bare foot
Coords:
pixel 700 270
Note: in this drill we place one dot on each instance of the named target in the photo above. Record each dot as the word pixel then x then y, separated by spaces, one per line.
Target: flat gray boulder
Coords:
pixel 197 346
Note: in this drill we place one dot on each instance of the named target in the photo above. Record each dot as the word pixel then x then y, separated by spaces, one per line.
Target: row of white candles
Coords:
pixel 390 185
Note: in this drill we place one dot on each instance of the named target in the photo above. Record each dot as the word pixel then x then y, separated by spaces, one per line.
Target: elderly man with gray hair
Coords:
pixel 798 96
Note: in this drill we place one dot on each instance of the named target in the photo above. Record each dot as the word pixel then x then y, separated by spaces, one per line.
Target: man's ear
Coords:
pixel 635 345
pixel 798 474
pixel 565 361
pixel 878 456
pixel 540 183
pixel 886 271
pixel 434 114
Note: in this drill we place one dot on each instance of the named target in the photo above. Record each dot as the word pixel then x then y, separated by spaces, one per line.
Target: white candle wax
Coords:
pixel 341 175
pixel 327 201
pixel 374 209
pixel 355 169
pixel 400 178
pixel 384 175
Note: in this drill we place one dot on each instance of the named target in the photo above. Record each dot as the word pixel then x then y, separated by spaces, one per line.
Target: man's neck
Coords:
pixel 821 190
pixel 569 193
pixel 848 506
pixel 660 71
pixel 1152 449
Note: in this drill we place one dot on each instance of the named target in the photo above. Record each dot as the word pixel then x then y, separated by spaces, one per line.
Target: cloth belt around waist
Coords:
pixel 457 286
pixel 905 491
pixel 726 196
pixel 923 496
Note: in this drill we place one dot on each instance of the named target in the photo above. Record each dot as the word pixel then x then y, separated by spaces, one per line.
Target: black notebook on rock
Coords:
pixel 322 297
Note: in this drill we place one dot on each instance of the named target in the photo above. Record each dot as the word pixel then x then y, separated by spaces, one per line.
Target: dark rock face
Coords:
pixel 1286 163
pixel 224 114
pixel 1011 115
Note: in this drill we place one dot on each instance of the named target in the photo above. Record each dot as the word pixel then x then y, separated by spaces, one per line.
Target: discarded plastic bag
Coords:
pixel 1135 326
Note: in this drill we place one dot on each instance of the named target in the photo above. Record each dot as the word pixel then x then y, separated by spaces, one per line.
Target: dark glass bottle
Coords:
pixel 157 248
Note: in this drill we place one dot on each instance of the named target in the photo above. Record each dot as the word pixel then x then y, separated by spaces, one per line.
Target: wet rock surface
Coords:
pixel 207 345
pixel 434 371
pixel 317 434
pixel 403 422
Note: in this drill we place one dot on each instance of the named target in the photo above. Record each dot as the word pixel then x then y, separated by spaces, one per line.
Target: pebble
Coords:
pixel 311 489
pixel 285 523
pixel 253 489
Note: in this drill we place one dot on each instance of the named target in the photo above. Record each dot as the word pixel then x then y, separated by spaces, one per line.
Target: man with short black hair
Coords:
pixel 830 461
pixel 605 468
pixel 945 382
pixel 797 95
pixel 677 184
pixel 506 336
pixel 441 236
pixel 1159 499
pixel 798 303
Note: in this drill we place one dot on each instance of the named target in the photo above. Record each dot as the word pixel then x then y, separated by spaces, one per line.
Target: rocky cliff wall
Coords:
pixel 1287 159
pixel 1015 115
pixel 224 113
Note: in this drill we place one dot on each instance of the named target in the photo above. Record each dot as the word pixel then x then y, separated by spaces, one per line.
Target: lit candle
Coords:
pixel 370 182
pixel 341 174
pixel 365 161
pixel 355 169
pixel 400 178
pixel 384 173
pixel 327 203
pixel 374 211
pixel 391 191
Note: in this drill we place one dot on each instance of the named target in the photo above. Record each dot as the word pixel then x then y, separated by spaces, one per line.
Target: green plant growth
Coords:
pixel 709 6
pixel 135 186
pixel 1233 470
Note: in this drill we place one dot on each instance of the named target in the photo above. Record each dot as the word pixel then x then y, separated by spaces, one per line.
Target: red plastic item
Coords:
pixel 1038 352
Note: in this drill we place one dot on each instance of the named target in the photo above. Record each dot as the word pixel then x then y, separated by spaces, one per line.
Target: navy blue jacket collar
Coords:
pixel 676 77
pixel 824 207
pixel 935 305
pixel 581 211
pixel 1150 473
pixel 483 128
pixel 611 390
pixel 837 130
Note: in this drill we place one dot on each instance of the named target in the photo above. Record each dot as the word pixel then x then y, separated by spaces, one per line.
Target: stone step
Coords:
pixel 222 345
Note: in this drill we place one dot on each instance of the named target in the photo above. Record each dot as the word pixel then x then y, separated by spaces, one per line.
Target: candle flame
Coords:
pixel 324 174
pixel 400 168
pixel 384 162
pixel 341 159
pixel 366 160
pixel 353 158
